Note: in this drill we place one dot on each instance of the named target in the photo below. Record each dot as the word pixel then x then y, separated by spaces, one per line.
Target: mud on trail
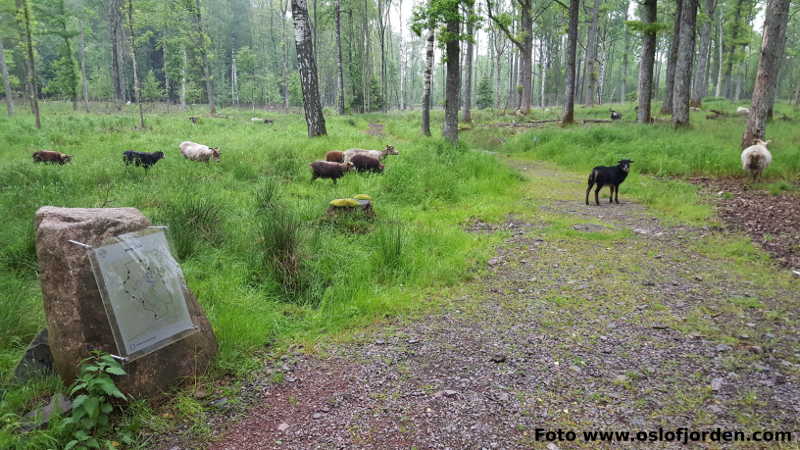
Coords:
pixel 587 318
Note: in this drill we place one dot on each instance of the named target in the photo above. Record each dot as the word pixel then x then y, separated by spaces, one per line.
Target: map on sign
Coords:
pixel 142 288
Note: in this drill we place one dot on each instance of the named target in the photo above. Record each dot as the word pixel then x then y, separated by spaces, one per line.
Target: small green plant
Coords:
pixel 91 407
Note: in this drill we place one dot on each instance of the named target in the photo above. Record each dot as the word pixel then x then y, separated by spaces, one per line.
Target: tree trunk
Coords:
pixel 572 44
pixel 543 64
pixel 700 87
pixel 137 89
pixel 24 22
pixel 183 78
pixel 721 57
pixel 234 81
pixel 683 65
pixel 339 64
pixel 165 70
pixel 728 74
pixel 6 81
pixel 303 40
pixel 428 79
pixel 623 88
pixel 769 64
pixel 648 59
pixel 669 82
pixel 467 115
pixel 285 68
pixel 523 40
pixel 590 67
pixel 203 47
pixel 453 84
pixel 116 34
pixel 382 39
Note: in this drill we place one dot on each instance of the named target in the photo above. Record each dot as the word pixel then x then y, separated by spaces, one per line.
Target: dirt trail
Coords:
pixel 590 318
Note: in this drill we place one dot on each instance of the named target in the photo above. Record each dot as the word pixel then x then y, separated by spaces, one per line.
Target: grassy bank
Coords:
pixel 251 231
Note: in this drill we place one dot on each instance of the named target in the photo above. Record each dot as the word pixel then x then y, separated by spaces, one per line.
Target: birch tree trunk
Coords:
pixel 303 39
pixel 6 81
pixel 164 69
pixel 453 83
pixel 339 64
pixel 623 88
pixel 648 60
pixel 184 65
pixel 467 114
pixel 773 43
pixel 590 67
pixel 669 81
pixel 234 81
pixel 700 87
pixel 721 53
pixel 24 22
pixel 572 44
pixel 137 89
pixel 428 79
pixel 683 65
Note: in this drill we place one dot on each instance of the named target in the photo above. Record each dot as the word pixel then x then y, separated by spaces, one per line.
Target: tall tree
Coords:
pixel 524 43
pixel 623 89
pixel 453 85
pixel 572 46
pixel 591 66
pixel 25 24
pixel 116 32
pixel 203 48
pixel 669 82
pixel 736 29
pixel 649 30
pixel 84 74
pixel 423 22
pixel 773 43
pixel 683 65
pixel 467 103
pixel 700 86
pixel 339 63
pixel 6 80
pixel 303 39
pixel 137 88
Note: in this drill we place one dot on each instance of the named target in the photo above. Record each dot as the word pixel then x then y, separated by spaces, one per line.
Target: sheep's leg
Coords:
pixel 616 194
pixel 588 190
pixel 597 194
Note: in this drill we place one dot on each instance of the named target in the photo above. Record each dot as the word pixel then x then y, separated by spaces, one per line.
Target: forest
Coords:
pixel 380 214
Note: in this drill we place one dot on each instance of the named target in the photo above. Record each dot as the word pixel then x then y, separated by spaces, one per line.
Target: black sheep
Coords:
pixel 615 115
pixel 364 163
pixel 612 176
pixel 143 159
pixel 327 169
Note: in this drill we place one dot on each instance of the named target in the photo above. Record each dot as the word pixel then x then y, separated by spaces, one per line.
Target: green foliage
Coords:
pixel 485 94
pixel 151 88
pixel 93 393
pixel 376 101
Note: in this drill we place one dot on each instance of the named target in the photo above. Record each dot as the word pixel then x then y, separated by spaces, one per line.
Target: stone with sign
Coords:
pixel 134 304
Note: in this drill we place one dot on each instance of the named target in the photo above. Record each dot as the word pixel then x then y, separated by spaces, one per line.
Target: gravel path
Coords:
pixel 588 318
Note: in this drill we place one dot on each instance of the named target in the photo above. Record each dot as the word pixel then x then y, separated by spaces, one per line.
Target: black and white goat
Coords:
pixel 615 115
pixel 608 176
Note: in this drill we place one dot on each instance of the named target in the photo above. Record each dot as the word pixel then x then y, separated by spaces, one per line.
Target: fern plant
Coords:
pixel 92 406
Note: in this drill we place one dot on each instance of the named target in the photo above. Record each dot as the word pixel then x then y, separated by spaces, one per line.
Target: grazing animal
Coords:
pixel 259 119
pixel 743 111
pixel 615 115
pixel 50 156
pixel 379 154
pixel 194 120
pixel 199 152
pixel 334 156
pixel 143 159
pixel 756 158
pixel 327 169
pixel 366 163
pixel 612 176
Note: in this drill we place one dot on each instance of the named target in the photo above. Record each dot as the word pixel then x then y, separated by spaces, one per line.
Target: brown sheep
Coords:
pixel 328 169
pixel 364 163
pixel 334 156
pixel 49 156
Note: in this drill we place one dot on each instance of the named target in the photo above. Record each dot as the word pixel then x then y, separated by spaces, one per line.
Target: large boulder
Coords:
pixel 76 319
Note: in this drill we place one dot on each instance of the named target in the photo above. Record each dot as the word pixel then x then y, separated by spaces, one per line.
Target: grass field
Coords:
pixel 229 220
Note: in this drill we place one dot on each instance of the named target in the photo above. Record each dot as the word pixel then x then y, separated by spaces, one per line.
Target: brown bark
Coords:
pixel 24 18
pixel 669 82
pixel 772 47
pixel 700 88
pixel 339 63
pixel 648 59
pixel 303 39
pixel 453 83
pixel 572 44
pixel 683 65
pixel 6 81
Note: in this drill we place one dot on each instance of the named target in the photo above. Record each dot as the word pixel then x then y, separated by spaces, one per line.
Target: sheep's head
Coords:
pixel 158 155
pixel 389 150
pixel 215 153
pixel 66 158
pixel 346 166
pixel 625 164
pixel 762 142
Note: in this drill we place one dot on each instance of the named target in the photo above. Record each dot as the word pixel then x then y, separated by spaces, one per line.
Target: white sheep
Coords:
pixel 199 152
pixel 743 111
pixel 756 158
pixel 377 154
